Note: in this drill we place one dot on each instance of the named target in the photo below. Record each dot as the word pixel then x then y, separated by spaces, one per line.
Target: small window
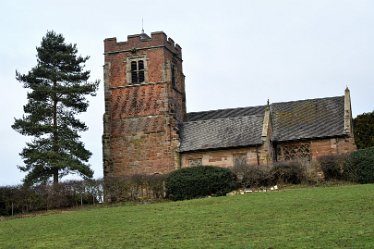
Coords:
pixel 294 151
pixel 134 73
pixel 195 162
pixel 137 72
pixel 173 75
pixel 141 71
pixel 240 160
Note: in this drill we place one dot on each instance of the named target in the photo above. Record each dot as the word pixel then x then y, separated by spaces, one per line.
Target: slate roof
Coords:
pixel 226 113
pixel 305 119
pixel 221 133
pixel 239 127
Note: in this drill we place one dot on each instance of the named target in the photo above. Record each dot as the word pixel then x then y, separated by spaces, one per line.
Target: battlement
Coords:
pixel 142 41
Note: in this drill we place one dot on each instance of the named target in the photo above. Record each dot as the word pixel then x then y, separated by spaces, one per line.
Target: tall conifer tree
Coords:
pixel 58 86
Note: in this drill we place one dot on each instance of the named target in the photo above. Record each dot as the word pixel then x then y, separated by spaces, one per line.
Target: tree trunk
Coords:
pixel 55 134
pixel 55 176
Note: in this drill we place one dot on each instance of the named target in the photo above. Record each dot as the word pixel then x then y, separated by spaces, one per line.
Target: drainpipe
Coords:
pixel 258 156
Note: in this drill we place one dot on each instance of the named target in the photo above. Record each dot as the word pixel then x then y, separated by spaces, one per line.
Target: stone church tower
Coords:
pixel 144 103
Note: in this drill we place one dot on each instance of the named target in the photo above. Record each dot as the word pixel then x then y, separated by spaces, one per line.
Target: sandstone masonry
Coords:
pixel 140 120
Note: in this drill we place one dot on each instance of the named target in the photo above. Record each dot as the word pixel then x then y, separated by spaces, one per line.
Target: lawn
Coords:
pixel 323 217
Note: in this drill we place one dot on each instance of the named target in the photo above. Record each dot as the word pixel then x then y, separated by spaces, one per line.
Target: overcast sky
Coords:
pixel 236 53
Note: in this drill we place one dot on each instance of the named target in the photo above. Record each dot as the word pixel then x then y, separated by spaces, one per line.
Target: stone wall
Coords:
pixel 314 148
pixel 222 158
pixel 332 146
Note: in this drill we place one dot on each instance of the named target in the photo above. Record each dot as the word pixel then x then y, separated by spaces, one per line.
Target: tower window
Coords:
pixel 137 72
pixel 173 75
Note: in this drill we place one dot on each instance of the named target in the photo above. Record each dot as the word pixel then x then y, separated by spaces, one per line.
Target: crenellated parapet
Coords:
pixel 142 41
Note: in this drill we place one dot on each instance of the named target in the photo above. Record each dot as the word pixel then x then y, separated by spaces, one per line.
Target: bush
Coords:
pixel 332 166
pixel 290 172
pixel 24 199
pixel 134 187
pixel 200 181
pixel 252 176
pixel 359 166
pixel 313 172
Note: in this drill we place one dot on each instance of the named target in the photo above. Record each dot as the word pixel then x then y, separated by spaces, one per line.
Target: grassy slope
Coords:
pixel 334 217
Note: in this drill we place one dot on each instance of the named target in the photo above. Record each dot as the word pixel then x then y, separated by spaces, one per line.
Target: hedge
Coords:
pixel 200 181
pixel 253 176
pixel 24 199
pixel 359 166
pixel 332 166
pixel 289 172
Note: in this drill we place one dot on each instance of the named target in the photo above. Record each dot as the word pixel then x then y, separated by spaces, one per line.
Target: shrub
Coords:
pixel 117 189
pixel 200 181
pixel 332 166
pixel 251 176
pixel 290 172
pixel 134 187
pixel 24 199
pixel 364 130
pixel 156 184
pixel 359 166
pixel 313 172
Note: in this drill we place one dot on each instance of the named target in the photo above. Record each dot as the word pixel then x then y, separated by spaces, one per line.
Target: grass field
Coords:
pixel 324 217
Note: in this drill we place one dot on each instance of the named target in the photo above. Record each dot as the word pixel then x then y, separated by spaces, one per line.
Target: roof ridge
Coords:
pixel 293 101
pixel 226 109
pixel 258 106
pixel 211 119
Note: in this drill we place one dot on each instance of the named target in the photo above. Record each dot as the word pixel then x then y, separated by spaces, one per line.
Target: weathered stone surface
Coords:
pixel 223 158
pixel 140 120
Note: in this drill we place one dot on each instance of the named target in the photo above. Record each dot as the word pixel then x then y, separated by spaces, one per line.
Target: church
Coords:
pixel 147 129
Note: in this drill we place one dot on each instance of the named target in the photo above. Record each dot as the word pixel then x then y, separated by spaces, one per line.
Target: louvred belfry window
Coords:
pixel 137 72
